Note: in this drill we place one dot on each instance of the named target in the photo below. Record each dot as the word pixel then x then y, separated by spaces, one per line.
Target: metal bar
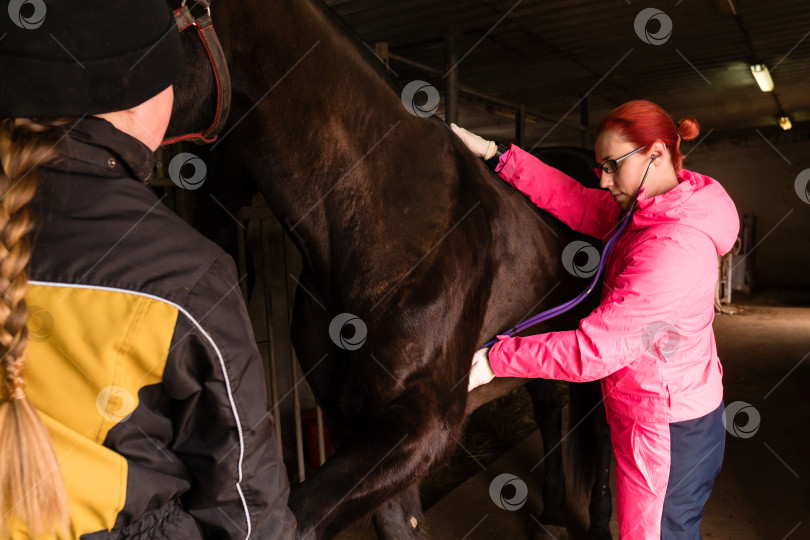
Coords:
pixel 728 277
pixel 484 97
pixel 242 257
pixel 321 441
pixel 299 432
pixel 450 78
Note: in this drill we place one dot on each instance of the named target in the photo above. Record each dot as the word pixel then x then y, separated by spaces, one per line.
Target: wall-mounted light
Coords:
pixel 762 76
pixel 784 122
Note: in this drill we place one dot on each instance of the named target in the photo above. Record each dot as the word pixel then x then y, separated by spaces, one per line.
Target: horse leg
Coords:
pixel 601 506
pixel 317 354
pixel 384 456
pixel 548 415
pixel 401 517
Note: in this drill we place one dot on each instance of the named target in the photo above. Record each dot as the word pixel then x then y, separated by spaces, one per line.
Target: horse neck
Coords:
pixel 314 83
pixel 318 119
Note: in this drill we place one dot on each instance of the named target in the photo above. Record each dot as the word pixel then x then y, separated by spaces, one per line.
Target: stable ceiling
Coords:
pixel 549 54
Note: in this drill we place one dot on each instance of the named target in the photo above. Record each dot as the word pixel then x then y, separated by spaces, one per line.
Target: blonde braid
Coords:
pixel 31 486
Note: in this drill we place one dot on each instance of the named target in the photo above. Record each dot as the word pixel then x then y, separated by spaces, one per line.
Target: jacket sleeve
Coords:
pixel 589 211
pixel 648 296
pixel 223 430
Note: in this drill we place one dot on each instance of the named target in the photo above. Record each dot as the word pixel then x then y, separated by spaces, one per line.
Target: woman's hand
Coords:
pixel 479 146
pixel 481 372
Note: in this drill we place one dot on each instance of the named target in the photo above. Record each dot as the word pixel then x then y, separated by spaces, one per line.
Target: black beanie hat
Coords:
pixel 67 58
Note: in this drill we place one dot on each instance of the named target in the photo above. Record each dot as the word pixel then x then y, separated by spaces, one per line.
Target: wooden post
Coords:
pixel 381 50
pixel 274 283
pixel 584 119
pixel 520 126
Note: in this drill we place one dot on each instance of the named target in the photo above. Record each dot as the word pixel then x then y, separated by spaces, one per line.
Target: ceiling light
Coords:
pixel 784 122
pixel 763 77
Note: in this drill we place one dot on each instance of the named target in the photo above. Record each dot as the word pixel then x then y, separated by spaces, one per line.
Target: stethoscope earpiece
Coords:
pixel 643 178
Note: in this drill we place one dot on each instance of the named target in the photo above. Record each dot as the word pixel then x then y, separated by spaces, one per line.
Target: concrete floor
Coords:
pixel 763 491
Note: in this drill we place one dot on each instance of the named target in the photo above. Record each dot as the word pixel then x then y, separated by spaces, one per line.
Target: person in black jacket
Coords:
pixel 133 394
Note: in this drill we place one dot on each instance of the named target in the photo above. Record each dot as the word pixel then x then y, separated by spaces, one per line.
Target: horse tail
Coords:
pixel 585 401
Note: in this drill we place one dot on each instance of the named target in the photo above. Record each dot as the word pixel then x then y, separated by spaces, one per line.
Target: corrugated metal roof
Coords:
pixel 548 54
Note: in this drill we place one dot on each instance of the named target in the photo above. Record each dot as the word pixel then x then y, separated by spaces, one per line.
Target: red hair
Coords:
pixel 643 122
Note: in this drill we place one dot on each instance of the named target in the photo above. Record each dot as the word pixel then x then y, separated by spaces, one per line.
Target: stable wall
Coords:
pixel 760 175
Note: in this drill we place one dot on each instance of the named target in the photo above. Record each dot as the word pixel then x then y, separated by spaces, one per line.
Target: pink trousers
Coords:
pixel 664 474
pixel 642 476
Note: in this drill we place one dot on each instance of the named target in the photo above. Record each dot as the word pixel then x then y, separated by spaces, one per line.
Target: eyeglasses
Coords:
pixel 610 166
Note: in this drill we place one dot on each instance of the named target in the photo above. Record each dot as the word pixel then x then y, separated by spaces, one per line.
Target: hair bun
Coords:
pixel 688 128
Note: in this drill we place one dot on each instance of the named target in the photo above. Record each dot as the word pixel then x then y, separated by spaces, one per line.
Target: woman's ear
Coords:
pixel 658 151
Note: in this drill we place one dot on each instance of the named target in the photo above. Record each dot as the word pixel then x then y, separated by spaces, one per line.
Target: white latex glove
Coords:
pixel 479 146
pixel 481 372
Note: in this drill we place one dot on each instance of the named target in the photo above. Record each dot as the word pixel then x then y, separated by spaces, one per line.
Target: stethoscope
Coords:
pixel 633 206
pixel 559 310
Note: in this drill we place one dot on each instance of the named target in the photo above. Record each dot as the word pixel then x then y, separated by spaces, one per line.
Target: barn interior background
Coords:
pixel 543 73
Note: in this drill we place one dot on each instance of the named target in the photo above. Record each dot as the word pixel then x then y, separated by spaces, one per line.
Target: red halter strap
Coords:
pixel 205 30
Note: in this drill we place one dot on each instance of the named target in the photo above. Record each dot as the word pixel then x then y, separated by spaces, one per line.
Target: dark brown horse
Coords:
pixel 400 225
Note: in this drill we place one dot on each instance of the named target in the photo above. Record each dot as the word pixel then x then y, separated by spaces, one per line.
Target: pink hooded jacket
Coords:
pixel 650 340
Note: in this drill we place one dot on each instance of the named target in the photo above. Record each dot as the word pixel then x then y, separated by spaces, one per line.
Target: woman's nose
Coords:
pixel 606 180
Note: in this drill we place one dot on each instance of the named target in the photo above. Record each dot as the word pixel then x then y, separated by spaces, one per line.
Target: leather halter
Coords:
pixel 205 30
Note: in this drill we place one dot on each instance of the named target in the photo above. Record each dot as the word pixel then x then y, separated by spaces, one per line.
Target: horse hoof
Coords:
pixel 551 532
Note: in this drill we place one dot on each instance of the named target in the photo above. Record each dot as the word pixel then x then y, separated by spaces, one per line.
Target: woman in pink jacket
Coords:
pixel 650 340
